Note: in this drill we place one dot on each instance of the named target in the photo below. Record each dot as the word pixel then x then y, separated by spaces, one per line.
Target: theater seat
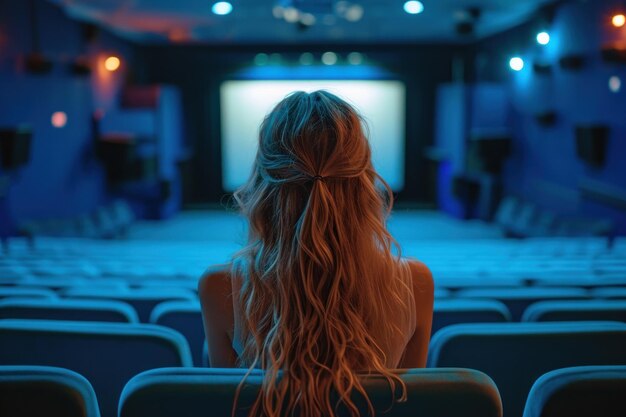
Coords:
pixel 66 309
pixel 29 391
pixel 199 392
pixel 107 354
pixel 455 311
pixel 186 318
pixel 613 310
pixel 516 354
pixel 143 300
pixel 579 392
pixel 26 292
pixel 517 299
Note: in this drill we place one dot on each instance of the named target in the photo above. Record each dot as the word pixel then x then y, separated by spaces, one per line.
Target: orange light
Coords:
pixel 619 20
pixel 58 119
pixel 112 63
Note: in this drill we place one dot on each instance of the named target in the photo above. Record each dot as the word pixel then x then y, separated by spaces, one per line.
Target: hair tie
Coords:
pixel 318 178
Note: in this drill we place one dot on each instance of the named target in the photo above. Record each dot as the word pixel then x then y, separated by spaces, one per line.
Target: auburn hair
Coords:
pixel 318 273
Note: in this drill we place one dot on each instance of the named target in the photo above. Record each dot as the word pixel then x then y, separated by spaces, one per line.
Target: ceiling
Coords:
pixel 254 21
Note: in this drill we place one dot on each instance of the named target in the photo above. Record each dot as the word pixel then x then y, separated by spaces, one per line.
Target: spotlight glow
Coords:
pixel 355 58
pixel 615 84
pixel 619 20
pixel 516 63
pixel 306 58
pixel 58 119
pixel 222 8
pixel 261 59
pixel 329 58
pixel 543 38
pixel 112 63
pixel 413 7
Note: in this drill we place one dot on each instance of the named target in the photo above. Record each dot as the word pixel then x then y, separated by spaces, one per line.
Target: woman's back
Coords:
pixel 316 293
pixel 408 348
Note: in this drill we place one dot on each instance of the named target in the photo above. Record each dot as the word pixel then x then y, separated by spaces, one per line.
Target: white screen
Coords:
pixel 244 105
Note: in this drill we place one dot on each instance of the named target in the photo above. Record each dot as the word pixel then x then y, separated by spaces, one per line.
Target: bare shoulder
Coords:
pixel 215 283
pixel 421 276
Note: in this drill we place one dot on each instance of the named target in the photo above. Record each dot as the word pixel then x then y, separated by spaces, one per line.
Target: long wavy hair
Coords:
pixel 318 277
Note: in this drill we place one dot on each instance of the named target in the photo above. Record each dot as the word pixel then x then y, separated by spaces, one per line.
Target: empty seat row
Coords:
pixel 56 392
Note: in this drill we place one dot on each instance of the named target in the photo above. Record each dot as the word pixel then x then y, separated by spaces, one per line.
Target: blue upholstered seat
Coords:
pixel 517 299
pixel 582 391
pixel 107 354
pixel 143 300
pixel 27 391
pixel 186 318
pixel 203 391
pixel 455 311
pixel 67 309
pixel 613 310
pixel 26 292
pixel 516 354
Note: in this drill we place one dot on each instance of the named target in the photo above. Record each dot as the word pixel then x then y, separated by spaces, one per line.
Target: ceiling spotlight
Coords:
pixel 413 7
pixel 261 59
pixel 516 63
pixel 306 58
pixel 329 58
pixel 112 63
pixel 354 13
pixel 355 58
pixel 222 8
pixel 618 20
pixel 543 38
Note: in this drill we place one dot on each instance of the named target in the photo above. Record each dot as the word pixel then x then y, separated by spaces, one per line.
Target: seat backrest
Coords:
pixel 517 299
pixel 26 292
pixel 107 354
pixel 209 391
pixel 45 391
pixel 579 392
pixel 586 310
pixel 609 292
pixel 516 354
pixel 186 318
pixel 142 300
pixel 455 311
pixel 66 309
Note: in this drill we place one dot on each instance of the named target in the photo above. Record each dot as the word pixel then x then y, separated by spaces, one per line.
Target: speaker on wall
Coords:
pixel 14 147
pixel 546 118
pixel 614 53
pixel 572 62
pixel 591 144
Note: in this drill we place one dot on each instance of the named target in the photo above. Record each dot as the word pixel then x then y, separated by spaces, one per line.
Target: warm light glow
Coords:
pixel 619 20
pixel 615 84
pixel 543 38
pixel 58 119
pixel 112 63
pixel 413 7
pixel 516 63
pixel 222 8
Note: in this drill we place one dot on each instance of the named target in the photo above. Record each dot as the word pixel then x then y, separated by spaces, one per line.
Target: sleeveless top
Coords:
pixel 393 347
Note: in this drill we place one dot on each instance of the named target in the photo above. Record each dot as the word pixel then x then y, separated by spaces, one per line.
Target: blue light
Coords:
pixel 516 63
pixel 222 8
pixel 543 38
pixel 413 7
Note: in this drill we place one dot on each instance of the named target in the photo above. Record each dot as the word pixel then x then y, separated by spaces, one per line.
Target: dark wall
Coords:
pixel 63 178
pixel 544 167
pixel 199 70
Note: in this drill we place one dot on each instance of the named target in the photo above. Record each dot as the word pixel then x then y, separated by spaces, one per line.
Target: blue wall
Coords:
pixel 63 178
pixel 544 167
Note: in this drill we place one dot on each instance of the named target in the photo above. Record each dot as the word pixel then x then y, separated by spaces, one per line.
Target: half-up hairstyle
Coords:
pixel 320 290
